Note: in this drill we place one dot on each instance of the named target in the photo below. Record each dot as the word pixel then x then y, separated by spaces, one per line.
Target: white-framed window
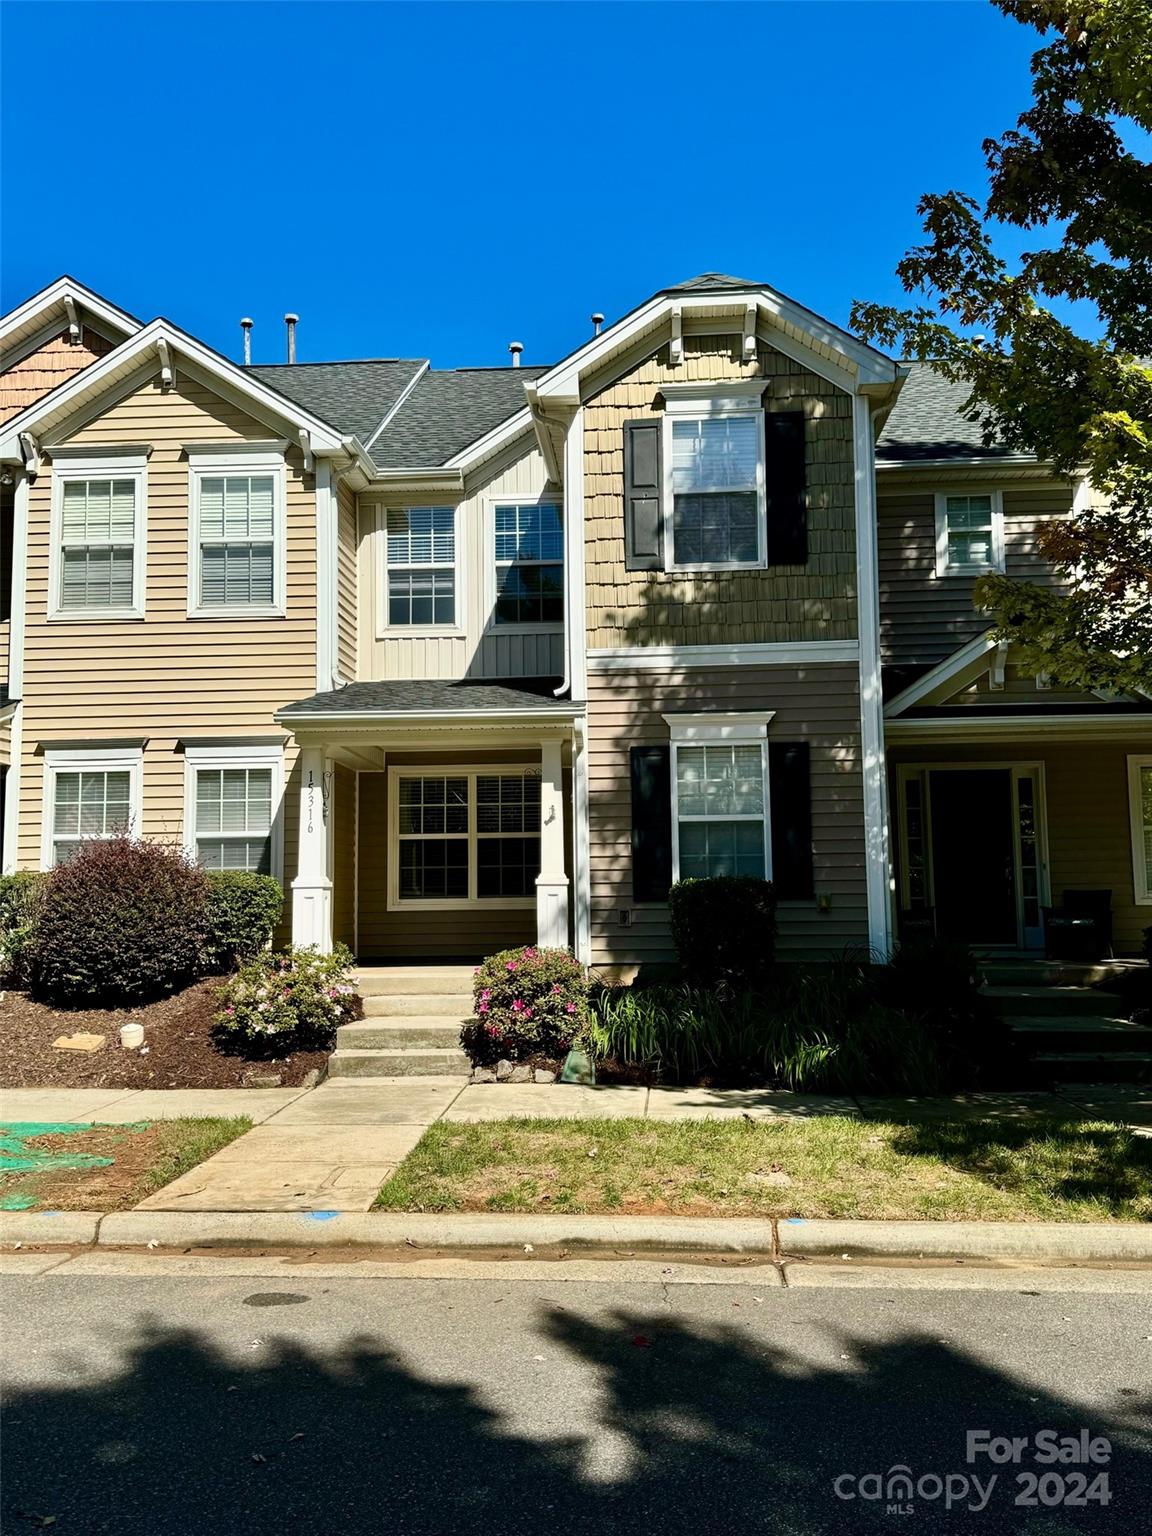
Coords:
pixel 714 485
pixel 88 793
pixel 233 798
pixel 528 558
pixel 721 809
pixel 1140 815
pixel 99 533
pixel 969 532
pixel 236 532
pixel 421 587
pixel 463 837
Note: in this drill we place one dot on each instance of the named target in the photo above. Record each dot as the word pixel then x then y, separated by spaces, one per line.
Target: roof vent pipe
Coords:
pixel 290 321
pixel 597 322
pixel 246 327
pixel 515 347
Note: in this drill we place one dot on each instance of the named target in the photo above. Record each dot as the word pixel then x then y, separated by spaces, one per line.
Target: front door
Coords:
pixel 974 855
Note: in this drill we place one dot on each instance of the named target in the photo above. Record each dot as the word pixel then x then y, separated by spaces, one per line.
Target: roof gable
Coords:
pixel 64 304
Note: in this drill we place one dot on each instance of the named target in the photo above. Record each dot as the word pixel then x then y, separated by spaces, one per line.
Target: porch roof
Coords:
pixel 413 701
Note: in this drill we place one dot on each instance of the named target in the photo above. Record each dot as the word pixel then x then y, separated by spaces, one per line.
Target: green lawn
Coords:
pixel 1046 1170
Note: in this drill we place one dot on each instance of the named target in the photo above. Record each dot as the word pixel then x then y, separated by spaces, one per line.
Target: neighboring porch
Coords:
pixel 991 835
pixel 435 819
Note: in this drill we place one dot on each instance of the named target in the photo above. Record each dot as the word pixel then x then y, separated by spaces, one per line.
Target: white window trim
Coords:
pixel 210 462
pixel 1141 873
pixel 59 760
pixel 740 397
pixel 397 903
pixel 210 758
pixel 491 586
pixel 132 467
pixel 943 568
pixel 744 729
pixel 388 631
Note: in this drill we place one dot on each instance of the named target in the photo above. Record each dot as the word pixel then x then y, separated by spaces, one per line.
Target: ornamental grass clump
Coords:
pixel 530 1003
pixel 291 999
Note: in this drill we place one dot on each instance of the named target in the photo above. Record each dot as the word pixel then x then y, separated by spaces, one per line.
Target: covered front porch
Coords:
pixel 435 818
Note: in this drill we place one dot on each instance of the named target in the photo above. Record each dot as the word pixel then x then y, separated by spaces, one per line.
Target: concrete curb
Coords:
pixel 1106 1243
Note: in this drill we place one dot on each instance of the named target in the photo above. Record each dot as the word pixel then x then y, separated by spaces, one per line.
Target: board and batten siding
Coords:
pixel 166 677
pixel 818 704
pixel 815 601
pixel 41 371
pixel 347 592
pixel 465 933
pixel 1089 831
pixel 475 647
pixel 925 617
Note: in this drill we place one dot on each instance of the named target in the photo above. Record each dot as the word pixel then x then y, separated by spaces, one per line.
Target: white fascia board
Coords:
pixel 942 673
pixel 358 720
pixel 989 728
pixel 416 481
pixel 484 447
pixel 232 380
pixel 986 461
pixel 35 311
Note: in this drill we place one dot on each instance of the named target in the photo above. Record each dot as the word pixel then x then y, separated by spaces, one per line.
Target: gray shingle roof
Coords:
pixel 352 397
pixel 708 280
pixel 447 411
pixel 530 694
pixel 927 422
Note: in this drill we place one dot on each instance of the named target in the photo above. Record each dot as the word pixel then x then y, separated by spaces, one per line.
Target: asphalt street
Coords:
pixel 304 1400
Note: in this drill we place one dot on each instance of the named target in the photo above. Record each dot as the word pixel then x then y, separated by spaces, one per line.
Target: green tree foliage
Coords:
pixel 1072 169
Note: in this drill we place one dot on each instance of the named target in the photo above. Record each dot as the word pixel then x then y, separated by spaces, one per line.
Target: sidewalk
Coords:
pixel 329 1149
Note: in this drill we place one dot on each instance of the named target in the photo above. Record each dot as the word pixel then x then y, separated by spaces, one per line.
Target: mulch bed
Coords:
pixel 177 1031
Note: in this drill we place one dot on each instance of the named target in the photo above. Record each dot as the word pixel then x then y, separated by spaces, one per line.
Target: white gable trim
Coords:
pixel 944 672
pixel 38 313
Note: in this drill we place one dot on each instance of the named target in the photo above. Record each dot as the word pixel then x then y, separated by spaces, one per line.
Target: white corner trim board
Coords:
pixel 661 658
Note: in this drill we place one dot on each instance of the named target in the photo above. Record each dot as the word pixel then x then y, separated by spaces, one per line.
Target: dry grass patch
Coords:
pixel 987 1170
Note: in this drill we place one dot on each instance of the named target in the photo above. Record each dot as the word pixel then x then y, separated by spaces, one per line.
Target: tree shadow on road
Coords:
pixel 700 1427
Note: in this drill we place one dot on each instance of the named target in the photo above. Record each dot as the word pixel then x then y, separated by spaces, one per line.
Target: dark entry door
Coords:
pixel 973 862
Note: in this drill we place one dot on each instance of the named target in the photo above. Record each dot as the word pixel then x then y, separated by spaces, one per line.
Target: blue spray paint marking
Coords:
pixel 320 1215
pixel 795 1221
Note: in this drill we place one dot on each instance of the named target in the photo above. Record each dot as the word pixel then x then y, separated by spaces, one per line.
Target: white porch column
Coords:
pixel 312 889
pixel 552 882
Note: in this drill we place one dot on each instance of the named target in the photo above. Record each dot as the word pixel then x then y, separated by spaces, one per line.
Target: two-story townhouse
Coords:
pixel 475 657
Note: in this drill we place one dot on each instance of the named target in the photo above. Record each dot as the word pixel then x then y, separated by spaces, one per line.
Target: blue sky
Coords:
pixel 438 179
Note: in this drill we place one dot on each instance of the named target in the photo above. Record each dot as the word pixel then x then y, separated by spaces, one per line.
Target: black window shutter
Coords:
pixel 651 822
pixel 790 789
pixel 643 523
pixel 786 478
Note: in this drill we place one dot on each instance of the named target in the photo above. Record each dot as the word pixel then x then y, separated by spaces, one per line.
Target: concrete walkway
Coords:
pixel 330 1148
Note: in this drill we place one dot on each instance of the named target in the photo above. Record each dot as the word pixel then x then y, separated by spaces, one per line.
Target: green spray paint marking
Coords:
pixel 16 1156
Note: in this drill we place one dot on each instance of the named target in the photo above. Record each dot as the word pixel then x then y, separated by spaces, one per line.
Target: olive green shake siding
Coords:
pixel 813 601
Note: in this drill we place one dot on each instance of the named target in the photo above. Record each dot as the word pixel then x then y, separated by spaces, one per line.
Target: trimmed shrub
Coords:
pixel 529 1003
pixel 724 930
pixel 291 999
pixel 243 910
pixel 122 921
pixel 19 899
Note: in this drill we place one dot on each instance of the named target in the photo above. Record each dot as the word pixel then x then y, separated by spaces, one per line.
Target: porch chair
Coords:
pixel 1080 928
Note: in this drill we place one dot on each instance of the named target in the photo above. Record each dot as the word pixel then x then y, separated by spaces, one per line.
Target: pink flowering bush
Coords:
pixel 529 1003
pixel 289 999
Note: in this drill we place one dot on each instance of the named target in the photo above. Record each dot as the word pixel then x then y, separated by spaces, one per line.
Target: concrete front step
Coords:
pixel 1080 1032
pixel 1053 973
pixel 411 980
pixel 1082 1067
pixel 399 1063
pixel 1052 1001
pixel 435 1005
pixel 399 1034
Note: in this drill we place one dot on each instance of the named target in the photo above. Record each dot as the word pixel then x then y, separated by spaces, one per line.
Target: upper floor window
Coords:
pixel 232 800
pixel 714 478
pixel 969 533
pixel 87 794
pixel 99 513
pixel 529 549
pixel 237 535
pixel 421 567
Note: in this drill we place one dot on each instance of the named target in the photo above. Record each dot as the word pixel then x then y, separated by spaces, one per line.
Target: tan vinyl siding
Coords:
pixel 468 933
pixel 166 676
pixel 818 704
pixel 41 371
pixel 344 856
pixel 816 601
pixel 347 596
pixel 1086 789
pixel 475 647
pixel 925 617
